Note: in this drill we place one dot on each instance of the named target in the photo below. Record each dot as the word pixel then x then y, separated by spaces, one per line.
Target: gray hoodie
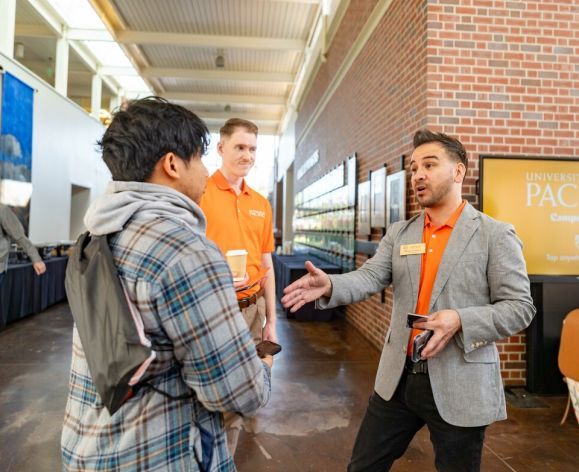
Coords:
pixel 123 201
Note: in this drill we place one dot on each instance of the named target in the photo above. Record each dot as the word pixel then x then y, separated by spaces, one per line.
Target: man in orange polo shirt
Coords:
pixel 240 218
pixel 467 273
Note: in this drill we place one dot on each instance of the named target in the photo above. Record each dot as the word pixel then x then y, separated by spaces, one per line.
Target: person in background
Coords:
pixel 466 272
pixel 240 218
pixel 11 229
pixel 183 290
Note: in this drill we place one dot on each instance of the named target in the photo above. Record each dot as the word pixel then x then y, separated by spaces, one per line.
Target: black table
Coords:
pixel 290 268
pixel 23 293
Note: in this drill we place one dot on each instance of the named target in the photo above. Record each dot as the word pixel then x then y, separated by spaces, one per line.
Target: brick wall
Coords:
pixel 503 76
pixel 374 112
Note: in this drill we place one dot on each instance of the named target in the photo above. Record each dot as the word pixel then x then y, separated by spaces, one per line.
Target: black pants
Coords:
pixel 389 426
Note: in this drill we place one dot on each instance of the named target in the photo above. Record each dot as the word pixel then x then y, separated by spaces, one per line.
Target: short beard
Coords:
pixel 437 196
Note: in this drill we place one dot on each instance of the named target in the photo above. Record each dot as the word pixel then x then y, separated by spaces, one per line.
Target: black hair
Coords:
pixel 453 146
pixel 145 131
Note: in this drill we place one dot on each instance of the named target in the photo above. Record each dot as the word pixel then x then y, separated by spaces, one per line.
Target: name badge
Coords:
pixel 409 249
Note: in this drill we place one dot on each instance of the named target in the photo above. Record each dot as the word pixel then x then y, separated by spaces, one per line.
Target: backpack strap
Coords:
pixel 148 384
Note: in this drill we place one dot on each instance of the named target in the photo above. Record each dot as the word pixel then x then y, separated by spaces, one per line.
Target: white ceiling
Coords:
pixel 270 50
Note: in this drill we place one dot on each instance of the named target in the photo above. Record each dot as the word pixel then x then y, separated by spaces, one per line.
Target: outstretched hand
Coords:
pixel 310 287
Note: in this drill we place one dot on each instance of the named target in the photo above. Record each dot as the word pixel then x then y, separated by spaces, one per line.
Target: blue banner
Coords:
pixel 16 146
pixel 16 129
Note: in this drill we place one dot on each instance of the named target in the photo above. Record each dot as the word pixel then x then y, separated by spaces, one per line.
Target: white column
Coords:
pixel 288 205
pixel 116 101
pixel 7 26
pixel 61 66
pixel 96 95
pixel 113 103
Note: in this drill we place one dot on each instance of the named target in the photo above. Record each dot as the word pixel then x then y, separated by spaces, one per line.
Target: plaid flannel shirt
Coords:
pixel 181 285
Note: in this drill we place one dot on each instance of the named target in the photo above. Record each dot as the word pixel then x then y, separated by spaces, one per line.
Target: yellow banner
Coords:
pixel 541 199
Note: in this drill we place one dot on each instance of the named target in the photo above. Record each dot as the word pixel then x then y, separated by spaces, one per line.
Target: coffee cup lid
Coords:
pixel 236 252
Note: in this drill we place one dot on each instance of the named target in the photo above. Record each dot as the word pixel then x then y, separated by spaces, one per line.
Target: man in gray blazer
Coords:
pixel 467 273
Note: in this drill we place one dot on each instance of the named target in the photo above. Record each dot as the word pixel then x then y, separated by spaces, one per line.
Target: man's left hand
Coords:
pixel 445 324
pixel 269 333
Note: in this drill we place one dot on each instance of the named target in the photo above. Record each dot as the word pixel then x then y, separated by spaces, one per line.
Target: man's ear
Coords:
pixel 169 165
pixel 220 147
pixel 460 173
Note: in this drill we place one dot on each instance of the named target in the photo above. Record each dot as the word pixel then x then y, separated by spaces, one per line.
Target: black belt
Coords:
pixel 248 301
pixel 420 367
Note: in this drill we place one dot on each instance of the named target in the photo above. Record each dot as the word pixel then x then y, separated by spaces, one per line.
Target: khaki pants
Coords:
pixel 255 318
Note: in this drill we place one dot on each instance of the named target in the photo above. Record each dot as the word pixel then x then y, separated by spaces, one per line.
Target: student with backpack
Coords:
pixel 203 361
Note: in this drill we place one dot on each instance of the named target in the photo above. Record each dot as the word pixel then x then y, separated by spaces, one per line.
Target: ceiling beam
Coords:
pixel 34 31
pixel 209 41
pixel 111 70
pixel 263 129
pixel 204 74
pixel 85 56
pixel 225 99
pixel 253 116
pixel 39 64
pixel 311 2
pixel 114 22
pixel 84 90
pixel 83 34
pixel 53 20
pixel 92 63
pixel 56 24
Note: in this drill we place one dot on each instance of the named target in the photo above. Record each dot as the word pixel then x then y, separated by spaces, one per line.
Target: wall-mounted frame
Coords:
pixel 351 180
pixel 364 228
pixel 396 197
pixel 325 218
pixel 378 198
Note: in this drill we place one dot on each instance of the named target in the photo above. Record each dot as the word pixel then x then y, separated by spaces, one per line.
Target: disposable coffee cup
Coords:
pixel 237 260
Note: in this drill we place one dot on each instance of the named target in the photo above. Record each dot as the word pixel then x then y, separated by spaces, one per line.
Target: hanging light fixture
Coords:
pixel 19 50
pixel 50 68
pixel 220 59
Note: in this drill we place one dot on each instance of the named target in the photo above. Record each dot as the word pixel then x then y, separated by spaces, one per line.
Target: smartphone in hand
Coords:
pixel 412 317
pixel 419 343
pixel 267 348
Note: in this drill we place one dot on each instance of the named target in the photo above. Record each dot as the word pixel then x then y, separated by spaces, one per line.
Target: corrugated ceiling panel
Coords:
pixel 224 87
pixel 235 59
pixel 233 109
pixel 220 17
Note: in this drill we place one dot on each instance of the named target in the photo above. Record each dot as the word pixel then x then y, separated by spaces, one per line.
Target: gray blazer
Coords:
pixel 482 275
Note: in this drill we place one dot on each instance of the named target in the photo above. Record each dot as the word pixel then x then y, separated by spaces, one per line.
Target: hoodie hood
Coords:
pixel 124 201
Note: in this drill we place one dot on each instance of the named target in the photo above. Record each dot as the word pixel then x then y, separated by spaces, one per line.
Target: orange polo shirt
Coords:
pixel 435 240
pixel 241 221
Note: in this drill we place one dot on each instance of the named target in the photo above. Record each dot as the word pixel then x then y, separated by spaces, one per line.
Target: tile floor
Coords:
pixel 321 383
